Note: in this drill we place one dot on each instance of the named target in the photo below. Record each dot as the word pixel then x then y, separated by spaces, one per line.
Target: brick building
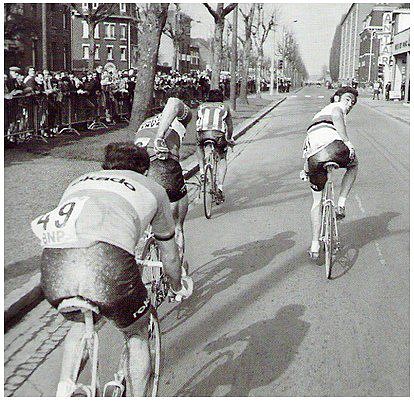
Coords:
pixel 351 26
pixel 32 27
pixel 116 39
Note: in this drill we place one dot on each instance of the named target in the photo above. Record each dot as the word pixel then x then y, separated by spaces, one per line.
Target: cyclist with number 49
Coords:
pixel 89 243
pixel 327 140
pixel 214 122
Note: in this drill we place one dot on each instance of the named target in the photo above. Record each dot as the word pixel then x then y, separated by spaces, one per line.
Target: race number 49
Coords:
pixel 58 226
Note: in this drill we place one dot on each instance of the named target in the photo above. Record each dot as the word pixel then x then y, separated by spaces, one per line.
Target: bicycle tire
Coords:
pixel 329 240
pixel 154 339
pixel 208 191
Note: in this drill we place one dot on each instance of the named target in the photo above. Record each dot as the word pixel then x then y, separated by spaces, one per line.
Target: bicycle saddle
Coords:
pixel 75 304
pixel 332 164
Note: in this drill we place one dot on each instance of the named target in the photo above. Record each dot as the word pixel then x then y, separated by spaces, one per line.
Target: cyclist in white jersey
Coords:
pixel 89 243
pixel 327 140
pixel 214 122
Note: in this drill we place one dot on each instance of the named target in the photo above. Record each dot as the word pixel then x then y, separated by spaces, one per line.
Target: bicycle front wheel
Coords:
pixel 329 239
pixel 208 191
pixel 154 338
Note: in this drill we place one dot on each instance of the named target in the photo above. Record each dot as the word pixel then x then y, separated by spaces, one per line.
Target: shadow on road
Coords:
pixel 356 234
pixel 228 266
pixel 253 358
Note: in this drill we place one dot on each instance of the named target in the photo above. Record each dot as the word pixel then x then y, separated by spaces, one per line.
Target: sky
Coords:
pixel 314 29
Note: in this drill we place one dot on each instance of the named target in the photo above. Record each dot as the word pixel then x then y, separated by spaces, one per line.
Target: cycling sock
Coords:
pixel 314 246
pixel 341 201
pixel 220 187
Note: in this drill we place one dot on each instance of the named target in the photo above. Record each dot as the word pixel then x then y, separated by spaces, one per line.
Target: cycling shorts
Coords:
pixel 169 174
pixel 337 152
pixel 103 274
pixel 218 138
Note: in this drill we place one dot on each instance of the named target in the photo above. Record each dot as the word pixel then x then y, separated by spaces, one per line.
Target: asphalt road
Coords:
pixel 263 320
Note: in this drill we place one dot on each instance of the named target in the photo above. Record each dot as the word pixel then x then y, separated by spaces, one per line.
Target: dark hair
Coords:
pixel 215 96
pixel 126 156
pixel 343 90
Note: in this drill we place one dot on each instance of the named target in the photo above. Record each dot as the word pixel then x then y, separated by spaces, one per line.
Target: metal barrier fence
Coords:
pixel 40 115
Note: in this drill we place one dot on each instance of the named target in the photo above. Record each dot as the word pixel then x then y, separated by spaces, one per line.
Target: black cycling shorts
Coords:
pixel 103 274
pixel 337 152
pixel 169 174
pixel 218 138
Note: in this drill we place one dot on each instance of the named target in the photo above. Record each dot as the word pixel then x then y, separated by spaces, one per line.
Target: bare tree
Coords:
pixel 260 32
pixel 93 16
pixel 247 17
pixel 176 32
pixel 219 16
pixel 151 19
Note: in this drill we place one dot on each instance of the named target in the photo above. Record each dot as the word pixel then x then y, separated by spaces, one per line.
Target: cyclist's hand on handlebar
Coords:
pixel 231 142
pixel 187 287
pixel 161 149
pixel 351 149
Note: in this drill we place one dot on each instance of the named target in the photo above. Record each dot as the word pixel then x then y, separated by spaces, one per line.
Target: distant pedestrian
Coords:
pixel 377 89
pixel 403 90
pixel 387 90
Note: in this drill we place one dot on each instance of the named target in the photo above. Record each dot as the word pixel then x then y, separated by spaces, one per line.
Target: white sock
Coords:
pixel 341 201
pixel 220 187
pixel 314 246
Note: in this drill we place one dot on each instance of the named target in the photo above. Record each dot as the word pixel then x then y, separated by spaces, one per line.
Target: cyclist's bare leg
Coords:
pixel 200 158
pixel 71 352
pixel 171 261
pixel 179 211
pixel 221 172
pixel 316 220
pixel 138 360
pixel 347 183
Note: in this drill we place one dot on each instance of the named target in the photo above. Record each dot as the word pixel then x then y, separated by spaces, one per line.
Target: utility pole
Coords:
pixel 44 35
pixel 233 81
pixel 272 63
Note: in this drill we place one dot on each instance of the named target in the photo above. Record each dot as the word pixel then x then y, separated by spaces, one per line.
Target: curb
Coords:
pixel 19 302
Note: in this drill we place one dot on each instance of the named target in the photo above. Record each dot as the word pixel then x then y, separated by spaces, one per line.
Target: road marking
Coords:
pixel 321 96
pixel 294 96
pixel 377 246
pixel 307 96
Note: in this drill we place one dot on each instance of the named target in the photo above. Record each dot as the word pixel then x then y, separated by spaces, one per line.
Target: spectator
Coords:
pixel 403 90
pixel 377 89
pixel 387 90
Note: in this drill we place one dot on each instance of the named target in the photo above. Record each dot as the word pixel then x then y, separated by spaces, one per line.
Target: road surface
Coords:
pixel 263 319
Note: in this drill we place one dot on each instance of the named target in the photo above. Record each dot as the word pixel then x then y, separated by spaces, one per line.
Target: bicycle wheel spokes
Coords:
pixel 329 239
pixel 208 191
pixel 154 338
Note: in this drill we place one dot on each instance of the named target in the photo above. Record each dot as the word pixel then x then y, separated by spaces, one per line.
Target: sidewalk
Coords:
pixel 395 109
pixel 35 182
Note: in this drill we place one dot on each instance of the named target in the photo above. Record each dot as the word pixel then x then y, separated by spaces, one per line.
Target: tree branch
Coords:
pixel 211 11
pixel 228 9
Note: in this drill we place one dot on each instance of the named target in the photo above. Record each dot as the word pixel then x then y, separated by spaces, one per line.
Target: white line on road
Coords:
pixel 294 96
pixel 321 96
pixel 359 203
pixel 307 96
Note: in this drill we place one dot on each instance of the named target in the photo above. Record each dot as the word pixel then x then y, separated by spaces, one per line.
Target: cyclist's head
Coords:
pixel 344 90
pixel 215 96
pixel 126 156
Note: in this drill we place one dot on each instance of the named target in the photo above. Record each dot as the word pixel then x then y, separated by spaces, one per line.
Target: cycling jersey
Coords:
pixel 147 133
pixel 321 131
pixel 212 116
pixel 112 206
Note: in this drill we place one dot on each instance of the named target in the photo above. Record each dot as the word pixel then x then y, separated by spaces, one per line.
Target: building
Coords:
pixel 351 26
pixel 116 39
pixel 374 49
pixel 400 52
pixel 205 53
pixel 38 35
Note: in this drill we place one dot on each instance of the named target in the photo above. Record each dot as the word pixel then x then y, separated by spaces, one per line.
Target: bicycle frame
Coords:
pixel 211 158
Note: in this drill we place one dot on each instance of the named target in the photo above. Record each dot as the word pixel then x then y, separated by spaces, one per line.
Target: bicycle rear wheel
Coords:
pixel 208 190
pixel 154 338
pixel 329 239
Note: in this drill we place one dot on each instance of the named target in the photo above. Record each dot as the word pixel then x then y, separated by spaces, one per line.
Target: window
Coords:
pixel 85 6
pixel 109 30
pixel 123 31
pixel 122 7
pixel 97 52
pixel 65 21
pixel 85 52
pixel 96 32
pixel 110 50
pixel 123 53
pixel 85 30
pixel 95 5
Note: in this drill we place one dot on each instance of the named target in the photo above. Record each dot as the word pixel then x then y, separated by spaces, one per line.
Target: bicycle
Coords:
pixel 329 228
pixel 210 193
pixel 157 285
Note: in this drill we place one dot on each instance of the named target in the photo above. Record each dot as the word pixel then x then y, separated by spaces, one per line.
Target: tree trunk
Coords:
pixel 148 46
pixel 91 31
pixel 233 81
pixel 44 36
pixel 176 57
pixel 259 75
pixel 217 55
pixel 245 70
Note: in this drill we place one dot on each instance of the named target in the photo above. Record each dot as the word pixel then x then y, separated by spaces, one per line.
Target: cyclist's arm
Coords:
pixel 229 123
pixel 338 120
pixel 173 108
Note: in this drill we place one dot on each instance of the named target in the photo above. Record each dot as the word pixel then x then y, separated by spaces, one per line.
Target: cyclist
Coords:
pixel 214 122
pixel 162 135
pixel 89 243
pixel 327 140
